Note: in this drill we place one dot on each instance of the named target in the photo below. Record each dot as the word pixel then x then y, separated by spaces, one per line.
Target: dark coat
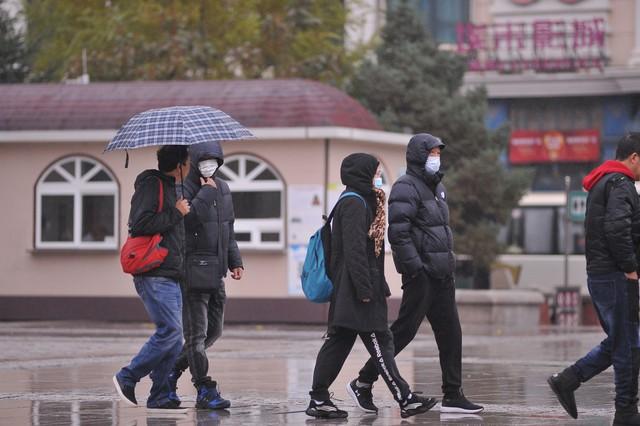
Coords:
pixel 144 219
pixel 209 224
pixel 419 232
pixel 612 223
pixel 356 272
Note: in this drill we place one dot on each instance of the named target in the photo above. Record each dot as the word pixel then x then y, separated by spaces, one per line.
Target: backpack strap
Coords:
pixel 160 195
pixel 345 195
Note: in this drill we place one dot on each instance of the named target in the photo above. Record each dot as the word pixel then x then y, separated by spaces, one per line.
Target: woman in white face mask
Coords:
pixel 208 169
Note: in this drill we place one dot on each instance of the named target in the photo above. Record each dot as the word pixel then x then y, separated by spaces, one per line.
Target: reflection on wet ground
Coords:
pixel 60 374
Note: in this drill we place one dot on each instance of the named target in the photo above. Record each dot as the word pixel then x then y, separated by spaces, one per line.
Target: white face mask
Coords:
pixel 377 182
pixel 208 167
pixel 432 166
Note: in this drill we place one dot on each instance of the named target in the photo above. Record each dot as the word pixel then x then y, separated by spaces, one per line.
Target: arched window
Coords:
pixel 77 206
pixel 258 201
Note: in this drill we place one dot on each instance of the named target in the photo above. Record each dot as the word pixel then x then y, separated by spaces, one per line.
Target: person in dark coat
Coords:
pixel 159 288
pixel 422 246
pixel 209 236
pixel 359 300
pixel 612 226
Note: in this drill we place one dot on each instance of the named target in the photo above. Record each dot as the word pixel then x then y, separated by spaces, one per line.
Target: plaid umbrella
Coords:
pixel 179 125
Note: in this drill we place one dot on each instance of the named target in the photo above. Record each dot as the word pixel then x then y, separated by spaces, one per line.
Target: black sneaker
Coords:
pixel 325 410
pixel 415 404
pixel 563 385
pixel 626 416
pixel 362 397
pixel 173 385
pixel 459 404
pixel 169 408
pixel 209 398
pixel 126 393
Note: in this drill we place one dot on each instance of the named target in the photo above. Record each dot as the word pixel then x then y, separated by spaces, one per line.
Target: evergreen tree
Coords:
pixel 13 65
pixel 412 86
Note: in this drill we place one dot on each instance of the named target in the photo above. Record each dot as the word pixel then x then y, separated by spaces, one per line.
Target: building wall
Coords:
pixel 26 272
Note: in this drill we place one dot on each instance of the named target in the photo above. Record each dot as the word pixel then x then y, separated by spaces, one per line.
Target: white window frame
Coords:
pixel 77 186
pixel 243 182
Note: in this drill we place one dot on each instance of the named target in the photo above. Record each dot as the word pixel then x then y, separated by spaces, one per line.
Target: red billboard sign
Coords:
pixel 576 146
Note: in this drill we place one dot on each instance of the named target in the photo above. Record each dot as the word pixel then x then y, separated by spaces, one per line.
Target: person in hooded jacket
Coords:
pixel 612 231
pixel 422 245
pixel 159 288
pixel 358 305
pixel 209 237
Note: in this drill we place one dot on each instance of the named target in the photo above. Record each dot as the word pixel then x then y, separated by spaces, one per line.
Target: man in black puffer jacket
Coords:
pixel 211 249
pixel 422 246
pixel 612 228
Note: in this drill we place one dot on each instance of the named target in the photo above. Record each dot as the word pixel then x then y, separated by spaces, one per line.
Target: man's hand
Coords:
pixel 183 206
pixel 631 275
pixel 236 273
pixel 208 181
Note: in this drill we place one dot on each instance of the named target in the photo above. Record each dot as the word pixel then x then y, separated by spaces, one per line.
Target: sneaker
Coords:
pixel 415 404
pixel 126 393
pixel 362 396
pixel 169 408
pixel 459 404
pixel 210 399
pixel 325 410
pixel 173 386
pixel 563 385
pixel 626 416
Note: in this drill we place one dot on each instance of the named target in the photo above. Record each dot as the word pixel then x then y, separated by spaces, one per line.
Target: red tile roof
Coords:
pixel 254 103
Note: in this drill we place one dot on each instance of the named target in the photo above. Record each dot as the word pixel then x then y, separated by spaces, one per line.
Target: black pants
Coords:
pixel 202 319
pixel 436 300
pixel 334 353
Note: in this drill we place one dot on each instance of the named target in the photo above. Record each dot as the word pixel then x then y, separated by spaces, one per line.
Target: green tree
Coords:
pixel 197 39
pixel 14 64
pixel 413 86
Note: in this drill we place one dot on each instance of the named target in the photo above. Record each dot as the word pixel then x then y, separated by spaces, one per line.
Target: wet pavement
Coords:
pixel 60 374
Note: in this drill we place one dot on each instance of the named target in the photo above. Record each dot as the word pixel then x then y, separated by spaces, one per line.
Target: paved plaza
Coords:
pixel 60 374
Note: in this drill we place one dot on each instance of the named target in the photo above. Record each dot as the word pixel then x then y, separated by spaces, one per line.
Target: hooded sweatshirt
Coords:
pixel 612 223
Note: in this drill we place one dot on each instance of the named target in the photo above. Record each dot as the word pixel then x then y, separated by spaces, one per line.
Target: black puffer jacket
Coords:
pixel 419 232
pixel 144 219
pixel 612 223
pixel 356 272
pixel 209 225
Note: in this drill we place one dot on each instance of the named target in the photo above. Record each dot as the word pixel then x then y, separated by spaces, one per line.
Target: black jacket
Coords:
pixel 419 232
pixel 209 224
pixel 144 219
pixel 612 223
pixel 356 272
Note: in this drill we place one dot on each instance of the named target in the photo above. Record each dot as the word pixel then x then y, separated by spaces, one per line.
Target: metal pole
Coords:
pixel 567 230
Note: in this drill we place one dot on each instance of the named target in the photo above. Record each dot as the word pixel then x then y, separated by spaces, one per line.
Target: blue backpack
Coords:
pixel 316 284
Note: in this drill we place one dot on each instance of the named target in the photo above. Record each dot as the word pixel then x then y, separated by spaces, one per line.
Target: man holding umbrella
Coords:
pixel 211 251
pixel 155 209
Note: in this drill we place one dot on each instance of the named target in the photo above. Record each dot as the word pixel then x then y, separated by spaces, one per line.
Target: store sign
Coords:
pixel 542 45
pixel 530 146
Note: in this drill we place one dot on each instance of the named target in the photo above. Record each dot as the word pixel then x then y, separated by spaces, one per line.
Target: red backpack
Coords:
pixel 144 253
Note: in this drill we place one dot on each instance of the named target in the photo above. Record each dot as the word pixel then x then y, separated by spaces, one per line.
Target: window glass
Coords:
pixel 57 218
pixel 257 205
pixel 97 218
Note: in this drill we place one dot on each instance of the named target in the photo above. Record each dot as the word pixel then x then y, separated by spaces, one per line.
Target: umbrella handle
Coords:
pixel 126 160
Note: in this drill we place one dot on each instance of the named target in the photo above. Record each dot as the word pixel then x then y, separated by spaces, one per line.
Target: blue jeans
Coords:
pixel 615 299
pixel 163 302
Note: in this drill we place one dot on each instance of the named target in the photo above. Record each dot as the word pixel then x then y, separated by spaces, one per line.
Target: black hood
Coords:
pixel 357 172
pixel 417 153
pixel 152 173
pixel 203 151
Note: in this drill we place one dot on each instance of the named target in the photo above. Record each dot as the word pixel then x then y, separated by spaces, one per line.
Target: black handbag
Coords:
pixel 203 273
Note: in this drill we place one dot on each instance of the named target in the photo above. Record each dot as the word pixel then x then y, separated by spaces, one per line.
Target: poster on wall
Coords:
pixel 535 147
pixel 305 210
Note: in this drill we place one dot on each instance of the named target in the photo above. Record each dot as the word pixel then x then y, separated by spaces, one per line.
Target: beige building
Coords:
pixel 68 203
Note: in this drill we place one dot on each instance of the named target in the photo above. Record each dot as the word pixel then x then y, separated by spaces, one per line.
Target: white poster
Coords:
pixel 305 209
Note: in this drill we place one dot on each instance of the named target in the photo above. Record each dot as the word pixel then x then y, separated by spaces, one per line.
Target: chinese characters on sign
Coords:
pixel 542 46
pixel 529 147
